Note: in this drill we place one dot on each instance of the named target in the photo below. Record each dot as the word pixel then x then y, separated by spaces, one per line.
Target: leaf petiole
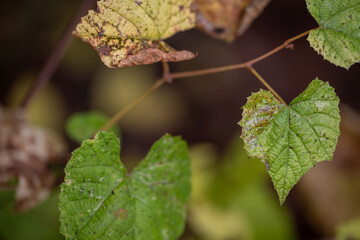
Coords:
pixel 262 80
pixel 132 105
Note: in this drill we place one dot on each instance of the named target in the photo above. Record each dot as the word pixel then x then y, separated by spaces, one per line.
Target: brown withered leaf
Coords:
pixel 25 152
pixel 226 19
pixel 128 32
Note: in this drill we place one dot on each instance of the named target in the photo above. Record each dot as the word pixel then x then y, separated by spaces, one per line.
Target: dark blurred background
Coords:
pixel 203 110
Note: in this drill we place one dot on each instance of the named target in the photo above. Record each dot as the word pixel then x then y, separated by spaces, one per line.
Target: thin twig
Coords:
pixel 262 80
pixel 287 44
pixel 165 78
pixel 168 77
pixel 55 57
pixel 132 105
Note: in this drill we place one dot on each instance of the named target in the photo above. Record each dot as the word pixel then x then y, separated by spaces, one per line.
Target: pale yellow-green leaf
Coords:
pixel 130 32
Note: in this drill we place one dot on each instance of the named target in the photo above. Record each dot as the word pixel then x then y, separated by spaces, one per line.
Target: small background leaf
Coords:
pixel 81 126
pixel 291 139
pixel 99 200
pixel 338 38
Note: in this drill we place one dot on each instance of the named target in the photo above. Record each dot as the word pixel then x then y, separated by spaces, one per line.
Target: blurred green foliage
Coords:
pixel 83 125
pixel 349 230
pixel 237 190
pixel 47 108
pixel 40 223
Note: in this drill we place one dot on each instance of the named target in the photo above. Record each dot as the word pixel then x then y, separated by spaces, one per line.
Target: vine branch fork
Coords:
pixel 168 77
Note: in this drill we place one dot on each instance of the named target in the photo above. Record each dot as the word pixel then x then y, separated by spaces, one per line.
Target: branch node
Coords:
pixel 249 64
pixel 166 73
pixel 288 45
pixel 167 77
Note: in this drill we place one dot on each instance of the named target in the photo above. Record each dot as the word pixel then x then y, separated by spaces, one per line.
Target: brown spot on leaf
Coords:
pixel 219 30
pixel 104 50
pixel 101 33
pixel 120 213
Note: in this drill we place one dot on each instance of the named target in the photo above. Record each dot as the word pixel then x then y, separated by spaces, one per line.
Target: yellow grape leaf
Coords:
pixel 226 19
pixel 130 32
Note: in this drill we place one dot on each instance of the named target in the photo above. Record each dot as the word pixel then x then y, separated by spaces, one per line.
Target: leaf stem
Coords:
pixel 262 80
pixel 132 105
pixel 55 57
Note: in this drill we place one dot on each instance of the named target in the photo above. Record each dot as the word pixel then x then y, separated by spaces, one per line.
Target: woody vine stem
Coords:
pixel 58 52
pixel 169 77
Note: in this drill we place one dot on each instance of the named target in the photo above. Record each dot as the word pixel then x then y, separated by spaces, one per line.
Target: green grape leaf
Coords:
pixel 338 37
pixel 83 125
pixel 100 200
pixel 291 139
pixel 128 32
